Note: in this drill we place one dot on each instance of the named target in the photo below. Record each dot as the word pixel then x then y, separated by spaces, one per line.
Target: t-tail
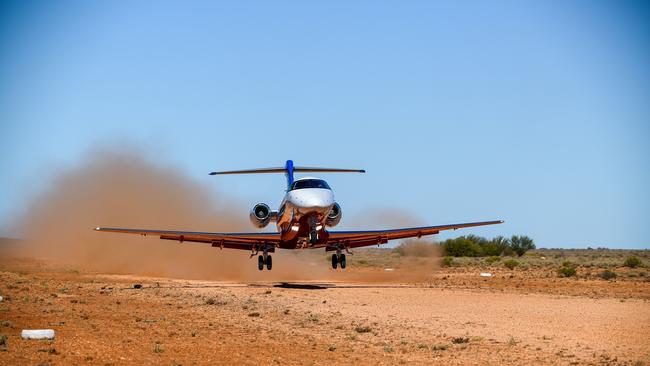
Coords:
pixel 288 171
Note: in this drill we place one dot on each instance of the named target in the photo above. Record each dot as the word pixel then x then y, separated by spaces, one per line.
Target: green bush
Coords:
pixel 511 263
pixel 632 261
pixel 608 275
pixel 568 264
pixel 447 261
pixel 490 260
pixel 462 247
pixel 476 246
pixel 566 272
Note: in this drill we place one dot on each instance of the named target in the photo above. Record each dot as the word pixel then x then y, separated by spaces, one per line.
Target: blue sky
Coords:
pixel 536 112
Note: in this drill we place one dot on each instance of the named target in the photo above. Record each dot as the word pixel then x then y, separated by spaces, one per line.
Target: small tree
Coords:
pixel 495 247
pixel 521 244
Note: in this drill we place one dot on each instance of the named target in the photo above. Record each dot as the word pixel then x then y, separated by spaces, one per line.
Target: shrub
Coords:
pixel 363 329
pixel 632 261
pixel 491 260
pixel 459 340
pixel 567 264
pixel 566 271
pixel 521 244
pixel 417 248
pixel 447 261
pixel 511 263
pixel 608 275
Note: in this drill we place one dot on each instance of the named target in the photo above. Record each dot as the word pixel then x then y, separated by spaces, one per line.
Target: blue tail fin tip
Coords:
pixel 289 172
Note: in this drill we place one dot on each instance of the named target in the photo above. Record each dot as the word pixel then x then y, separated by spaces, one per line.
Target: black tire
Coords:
pixel 269 262
pixel 335 261
pixel 260 262
pixel 313 237
pixel 342 261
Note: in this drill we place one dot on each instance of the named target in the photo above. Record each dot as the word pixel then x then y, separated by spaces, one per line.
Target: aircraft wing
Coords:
pixel 248 241
pixel 355 239
pixel 245 241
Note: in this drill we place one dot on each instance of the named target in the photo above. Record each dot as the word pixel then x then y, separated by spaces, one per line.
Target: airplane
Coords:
pixel 307 210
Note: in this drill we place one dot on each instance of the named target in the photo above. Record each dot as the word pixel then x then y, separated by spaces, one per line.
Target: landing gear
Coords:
pixel 313 237
pixel 338 259
pixel 263 260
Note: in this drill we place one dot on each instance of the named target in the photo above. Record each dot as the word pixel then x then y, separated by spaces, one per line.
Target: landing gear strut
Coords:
pixel 313 237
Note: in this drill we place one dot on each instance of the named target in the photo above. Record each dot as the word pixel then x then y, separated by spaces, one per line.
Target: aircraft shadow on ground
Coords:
pixel 284 285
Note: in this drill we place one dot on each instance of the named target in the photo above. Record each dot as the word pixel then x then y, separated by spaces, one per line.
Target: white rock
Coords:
pixel 0 298
pixel 486 274
pixel 37 334
pixel 389 269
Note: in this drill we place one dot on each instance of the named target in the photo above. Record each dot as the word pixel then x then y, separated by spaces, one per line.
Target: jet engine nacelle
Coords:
pixel 261 215
pixel 334 216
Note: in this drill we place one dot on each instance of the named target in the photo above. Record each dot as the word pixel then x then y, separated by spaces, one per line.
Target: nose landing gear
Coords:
pixel 313 237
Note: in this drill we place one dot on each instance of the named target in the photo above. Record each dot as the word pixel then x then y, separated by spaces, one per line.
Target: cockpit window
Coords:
pixel 310 183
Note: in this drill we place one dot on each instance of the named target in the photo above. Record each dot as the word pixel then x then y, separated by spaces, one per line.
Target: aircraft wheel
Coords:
pixel 313 237
pixel 260 262
pixel 342 261
pixel 269 262
pixel 335 261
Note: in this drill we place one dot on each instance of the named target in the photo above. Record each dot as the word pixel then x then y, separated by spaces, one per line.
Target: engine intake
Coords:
pixel 334 216
pixel 261 215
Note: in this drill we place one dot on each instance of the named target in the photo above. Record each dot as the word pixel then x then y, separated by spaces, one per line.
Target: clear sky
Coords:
pixel 535 112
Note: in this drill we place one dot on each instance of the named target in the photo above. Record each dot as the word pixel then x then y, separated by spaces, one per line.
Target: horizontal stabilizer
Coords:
pixel 288 170
pixel 284 170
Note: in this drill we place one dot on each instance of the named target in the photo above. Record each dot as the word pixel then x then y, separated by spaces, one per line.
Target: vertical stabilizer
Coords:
pixel 289 173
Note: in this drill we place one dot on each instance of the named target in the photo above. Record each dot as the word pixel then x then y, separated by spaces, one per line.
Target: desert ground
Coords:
pixel 416 312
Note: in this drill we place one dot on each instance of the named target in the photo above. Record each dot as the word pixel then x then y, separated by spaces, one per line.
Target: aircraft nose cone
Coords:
pixel 316 198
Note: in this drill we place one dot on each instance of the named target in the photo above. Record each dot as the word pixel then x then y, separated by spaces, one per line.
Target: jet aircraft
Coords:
pixel 307 210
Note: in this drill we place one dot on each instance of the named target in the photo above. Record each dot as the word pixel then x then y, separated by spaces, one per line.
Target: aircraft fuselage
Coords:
pixel 304 211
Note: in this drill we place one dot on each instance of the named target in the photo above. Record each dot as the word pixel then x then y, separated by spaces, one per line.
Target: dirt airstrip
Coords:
pixel 452 317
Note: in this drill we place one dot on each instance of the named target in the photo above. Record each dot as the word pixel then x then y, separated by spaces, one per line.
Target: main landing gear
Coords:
pixel 261 262
pixel 338 259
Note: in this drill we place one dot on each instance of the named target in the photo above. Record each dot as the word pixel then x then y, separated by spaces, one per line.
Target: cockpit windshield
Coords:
pixel 309 183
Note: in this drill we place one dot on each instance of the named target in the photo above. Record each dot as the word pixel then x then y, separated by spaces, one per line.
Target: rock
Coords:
pixel 137 285
pixel 486 274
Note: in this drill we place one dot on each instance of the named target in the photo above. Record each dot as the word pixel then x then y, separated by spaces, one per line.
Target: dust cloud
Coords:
pixel 126 188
